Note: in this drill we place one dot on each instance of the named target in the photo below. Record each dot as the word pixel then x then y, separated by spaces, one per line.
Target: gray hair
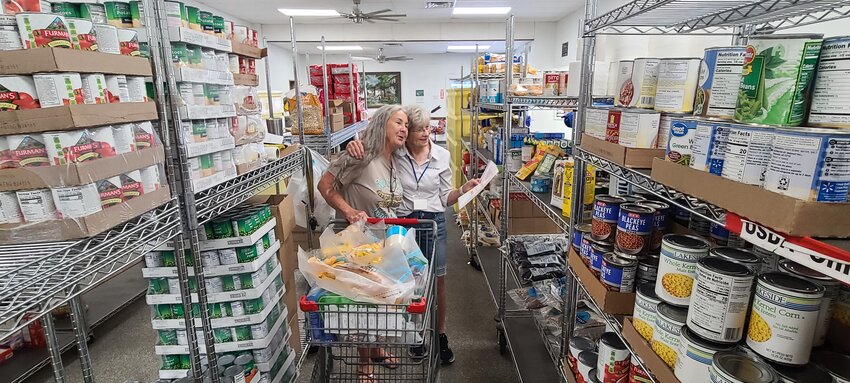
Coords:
pixel 374 139
pixel 417 116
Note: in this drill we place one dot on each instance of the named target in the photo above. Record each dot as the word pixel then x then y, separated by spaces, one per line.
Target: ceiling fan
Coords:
pixel 382 59
pixel 358 16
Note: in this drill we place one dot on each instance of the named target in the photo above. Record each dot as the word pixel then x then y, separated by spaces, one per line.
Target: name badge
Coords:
pixel 420 204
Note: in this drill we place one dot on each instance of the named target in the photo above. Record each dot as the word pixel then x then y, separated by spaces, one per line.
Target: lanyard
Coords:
pixel 418 178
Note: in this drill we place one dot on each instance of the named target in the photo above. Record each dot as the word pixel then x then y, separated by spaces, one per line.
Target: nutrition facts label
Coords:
pixel 719 305
pixel 724 90
pixel 709 147
pixel 747 155
pixel 810 167
pixel 832 85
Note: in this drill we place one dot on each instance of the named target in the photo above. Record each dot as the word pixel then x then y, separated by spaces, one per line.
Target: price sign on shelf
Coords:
pixel 806 251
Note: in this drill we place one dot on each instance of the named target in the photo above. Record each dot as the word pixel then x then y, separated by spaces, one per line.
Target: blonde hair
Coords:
pixel 417 116
pixel 374 139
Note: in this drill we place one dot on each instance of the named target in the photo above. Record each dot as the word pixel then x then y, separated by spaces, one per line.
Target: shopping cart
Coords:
pixel 353 337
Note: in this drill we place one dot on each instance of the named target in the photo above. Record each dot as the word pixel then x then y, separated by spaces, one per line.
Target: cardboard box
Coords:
pixel 610 302
pixel 245 168
pixel 337 122
pixel 776 211
pixel 642 348
pixel 72 117
pixel 288 257
pixel 335 106
pixel 86 226
pixel 621 155
pixel 295 338
pixel 537 225
pixel 246 79
pixel 27 61
pixel 79 173
pixel 248 50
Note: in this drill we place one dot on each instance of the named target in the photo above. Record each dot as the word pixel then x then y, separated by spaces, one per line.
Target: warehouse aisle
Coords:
pixel 123 349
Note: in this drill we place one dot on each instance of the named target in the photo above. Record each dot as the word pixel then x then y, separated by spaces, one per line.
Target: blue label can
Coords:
pixel 719 80
pixel 709 149
pixel 680 140
pixel 606 212
pixel 618 273
pixel 579 233
pixel 597 252
pixel 811 164
pixel 634 228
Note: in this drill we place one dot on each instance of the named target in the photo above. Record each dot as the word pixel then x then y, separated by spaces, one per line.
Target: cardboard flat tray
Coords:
pixel 72 117
pixel 84 227
pixel 80 173
pixel 28 61
pixel 776 211
pixel 248 50
pixel 620 155
pixel 246 79
pixel 610 302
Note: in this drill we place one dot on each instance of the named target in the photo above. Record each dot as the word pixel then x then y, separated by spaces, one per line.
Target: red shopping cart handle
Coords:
pixel 417 307
pixel 307 305
pixel 394 221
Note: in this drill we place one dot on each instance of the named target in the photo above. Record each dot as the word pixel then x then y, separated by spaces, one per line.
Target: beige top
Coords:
pixel 376 190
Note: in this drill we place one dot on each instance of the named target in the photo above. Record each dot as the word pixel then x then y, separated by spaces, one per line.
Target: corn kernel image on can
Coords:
pixel 646 304
pixel 784 318
pixel 677 267
pixel 669 321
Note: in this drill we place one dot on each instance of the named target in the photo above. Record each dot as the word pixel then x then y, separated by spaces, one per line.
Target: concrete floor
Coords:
pixel 123 349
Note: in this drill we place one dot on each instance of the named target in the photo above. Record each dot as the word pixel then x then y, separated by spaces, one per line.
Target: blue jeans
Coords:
pixel 427 241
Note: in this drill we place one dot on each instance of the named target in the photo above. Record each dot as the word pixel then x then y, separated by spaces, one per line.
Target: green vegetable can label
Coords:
pixel 776 79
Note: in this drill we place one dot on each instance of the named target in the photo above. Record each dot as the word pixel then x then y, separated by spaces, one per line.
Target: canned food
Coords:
pixel 644 316
pixel 150 178
pixel 541 184
pixel 246 362
pixel 233 374
pixel 587 361
pixel 769 259
pixel 193 18
pixel 606 211
pixel 741 256
pixel 94 88
pixel 720 299
pixel 804 164
pixel 637 374
pixel 746 153
pixel 110 192
pixel 169 259
pixel 612 126
pixel 659 222
pixel 137 13
pixel 118 14
pixel 28 150
pixel 719 81
pixel 641 89
pixel 784 318
pixel 805 374
pixel 82 34
pixel 835 364
pixel 830 296
pixel 107 39
pixel 613 361
pixel 736 367
pixel 171 362
pixel 826 109
pixel 699 224
pixel 218 26
pixel 243 225
pixel 694 357
pixel 677 267
pixel 116 88
pixel 18 92
pixel 634 228
pixel 43 30
pixel 59 89
pixel 664 128
pixel 618 273
pixel 677 82
pixel 578 233
pixel 638 128
pixel 206 20
pixel 153 259
pixel 76 201
pixel 596 122
pixel 242 333
pixel 37 205
pixel 78 146
pixel 175 11
pixel 136 89
pixel 597 254
pixel 778 96
pixel 647 271
pixel 669 321
pixel 10 211
pixel 682 133
pixel 128 42
pixel 707 152
pixel 226 360
pixel 625 91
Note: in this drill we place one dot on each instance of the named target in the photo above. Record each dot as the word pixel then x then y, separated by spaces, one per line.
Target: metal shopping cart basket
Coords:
pixel 353 338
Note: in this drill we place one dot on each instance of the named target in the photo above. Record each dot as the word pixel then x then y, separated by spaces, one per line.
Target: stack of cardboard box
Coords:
pixel 525 217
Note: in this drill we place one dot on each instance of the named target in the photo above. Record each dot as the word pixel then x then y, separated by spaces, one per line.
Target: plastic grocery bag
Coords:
pixel 297 188
pixel 354 265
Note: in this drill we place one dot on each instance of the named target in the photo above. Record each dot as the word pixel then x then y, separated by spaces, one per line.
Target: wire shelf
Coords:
pixel 715 16
pixel 225 196
pixel 37 278
pixel 320 142
pixel 545 102
pixel 555 214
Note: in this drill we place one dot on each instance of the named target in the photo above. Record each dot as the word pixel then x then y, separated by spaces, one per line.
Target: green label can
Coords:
pixel 193 18
pixel 243 225
pixel 222 229
pixel 776 79
pixel 185 362
pixel 118 14
pixel 207 167
pixel 175 12
pixel 227 283
pixel 66 9
pixel 243 333
pixel 195 56
pixel 176 311
pixel 171 362
pixel 137 14
pixel 206 19
pixel 216 310
pixel 218 26
pixel 253 306
pixel 169 259
pixel 247 281
pixel 96 13
pixel 163 312
pixel 267 244
pixel 199 131
pixel 223 335
pixel 167 337
pixel 157 286
pixel 213 94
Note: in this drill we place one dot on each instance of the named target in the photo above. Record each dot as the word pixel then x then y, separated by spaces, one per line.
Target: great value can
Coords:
pixel 638 128
pixel 709 147
pixel 107 39
pixel 40 30
pixel 642 86
pixel 747 153
pixel 737 367
pixel 719 81
pixel 677 267
pixel 694 357
pixel 128 42
pixel 613 361
pixel 634 228
pixel 776 79
pixel 646 304
pixel 58 89
pixel 94 88
pixel 664 128
pixel 809 164
pixel 677 83
pixel 720 298
pixel 830 295
pixel 82 34
pixel 669 321
pixel 18 92
pixel 625 89
pixel 682 133
pixel 784 318
pixel 76 201
pixel 110 192
pixel 37 205
pixel 10 38
pixel 830 87
pixel 116 88
pixel 606 211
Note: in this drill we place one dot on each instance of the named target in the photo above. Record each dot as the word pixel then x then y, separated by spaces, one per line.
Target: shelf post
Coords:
pixel 53 348
pixel 326 111
pixel 506 137
pixel 81 332
pixel 473 147
pixel 299 117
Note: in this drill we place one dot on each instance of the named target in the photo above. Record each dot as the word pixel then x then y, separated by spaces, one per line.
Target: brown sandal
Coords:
pixel 386 360
pixel 366 376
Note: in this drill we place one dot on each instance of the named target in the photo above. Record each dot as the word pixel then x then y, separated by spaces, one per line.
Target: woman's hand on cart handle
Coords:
pixel 469 185
pixel 355 149
pixel 353 216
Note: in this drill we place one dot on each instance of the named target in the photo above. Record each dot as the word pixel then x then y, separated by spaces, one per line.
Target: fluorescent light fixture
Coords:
pixel 308 12
pixel 341 48
pixel 480 10
pixel 468 47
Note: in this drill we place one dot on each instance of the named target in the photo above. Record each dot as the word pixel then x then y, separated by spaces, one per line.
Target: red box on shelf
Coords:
pixel 315 70
pixel 343 88
pixel 339 68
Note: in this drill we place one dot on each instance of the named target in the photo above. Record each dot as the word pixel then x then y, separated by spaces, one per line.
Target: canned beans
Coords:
pixel 606 210
pixel 634 228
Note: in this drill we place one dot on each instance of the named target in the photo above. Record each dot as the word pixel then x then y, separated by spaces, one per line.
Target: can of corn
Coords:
pixel 669 321
pixel 720 299
pixel 677 267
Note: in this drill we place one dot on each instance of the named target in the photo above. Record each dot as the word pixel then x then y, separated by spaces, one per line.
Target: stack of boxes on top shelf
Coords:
pixel 347 107
pixel 248 256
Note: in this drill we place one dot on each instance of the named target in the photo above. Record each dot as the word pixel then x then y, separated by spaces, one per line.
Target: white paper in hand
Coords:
pixel 489 172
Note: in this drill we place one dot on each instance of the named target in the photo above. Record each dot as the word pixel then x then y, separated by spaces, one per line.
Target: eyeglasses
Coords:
pixel 422 130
